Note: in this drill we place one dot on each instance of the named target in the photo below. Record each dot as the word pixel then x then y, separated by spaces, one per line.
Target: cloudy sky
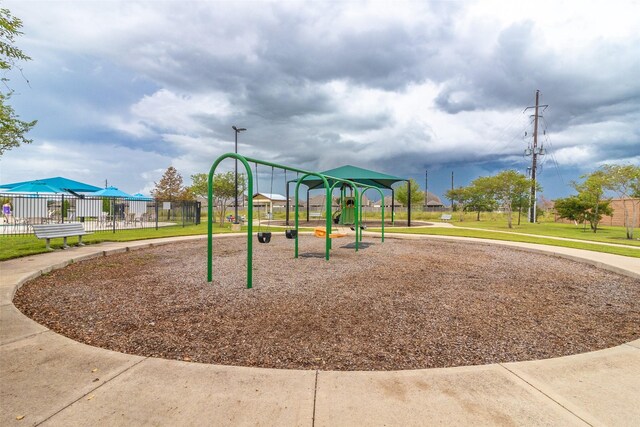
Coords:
pixel 124 89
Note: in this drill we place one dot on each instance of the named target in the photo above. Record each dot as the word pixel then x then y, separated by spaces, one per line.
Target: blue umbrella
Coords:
pixel 59 182
pixel 112 192
pixel 34 187
pixel 141 197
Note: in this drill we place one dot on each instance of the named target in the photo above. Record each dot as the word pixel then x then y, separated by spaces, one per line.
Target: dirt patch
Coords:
pixel 401 304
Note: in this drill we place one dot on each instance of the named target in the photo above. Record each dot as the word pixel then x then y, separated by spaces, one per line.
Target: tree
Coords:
pixel 224 190
pixel 480 197
pixel 12 129
pixel 591 192
pixel 199 184
pixel 624 180
pixel 459 197
pixel 417 195
pixel 507 187
pixel 170 187
pixel 572 208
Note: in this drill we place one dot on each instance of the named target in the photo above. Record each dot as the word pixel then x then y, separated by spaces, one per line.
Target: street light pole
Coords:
pixel 235 205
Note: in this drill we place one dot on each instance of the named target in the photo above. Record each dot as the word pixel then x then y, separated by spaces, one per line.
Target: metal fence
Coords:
pixel 97 214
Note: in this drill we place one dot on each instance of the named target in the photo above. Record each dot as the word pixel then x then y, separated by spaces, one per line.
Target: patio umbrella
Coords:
pixel 141 197
pixel 62 183
pixel 112 192
pixel 35 187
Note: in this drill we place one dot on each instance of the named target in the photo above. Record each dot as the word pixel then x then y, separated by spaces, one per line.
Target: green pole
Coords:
pixel 210 218
pixel 329 191
pixel 328 219
pixel 296 215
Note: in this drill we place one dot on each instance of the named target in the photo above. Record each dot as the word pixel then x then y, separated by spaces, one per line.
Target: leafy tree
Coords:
pixel 624 180
pixel 480 197
pixel 459 197
pixel 170 187
pixel 591 192
pixel 224 190
pixel 508 186
pixel 572 208
pixel 417 195
pixel 580 210
pixel 12 129
pixel 199 184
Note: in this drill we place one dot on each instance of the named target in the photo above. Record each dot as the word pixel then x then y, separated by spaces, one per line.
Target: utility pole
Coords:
pixel 426 188
pixel 534 157
pixel 452 190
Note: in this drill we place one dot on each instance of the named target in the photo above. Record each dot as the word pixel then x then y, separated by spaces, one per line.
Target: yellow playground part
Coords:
pixel 322 232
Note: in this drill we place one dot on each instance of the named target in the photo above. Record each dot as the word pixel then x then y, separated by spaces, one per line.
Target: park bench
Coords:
pixel 315 215
pixel 445 217
pixel 52 231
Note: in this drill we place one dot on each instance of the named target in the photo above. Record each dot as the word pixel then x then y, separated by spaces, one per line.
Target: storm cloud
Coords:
pixel 399 88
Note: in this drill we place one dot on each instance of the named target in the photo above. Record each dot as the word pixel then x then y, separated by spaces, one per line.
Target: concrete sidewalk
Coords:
pixel 49 379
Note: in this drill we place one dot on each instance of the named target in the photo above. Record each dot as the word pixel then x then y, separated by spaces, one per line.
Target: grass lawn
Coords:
pixel 18 246
pixel 605 234
pixel 482 234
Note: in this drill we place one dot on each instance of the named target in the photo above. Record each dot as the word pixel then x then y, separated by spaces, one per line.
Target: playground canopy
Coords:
pixel 357 175
pixel 58 182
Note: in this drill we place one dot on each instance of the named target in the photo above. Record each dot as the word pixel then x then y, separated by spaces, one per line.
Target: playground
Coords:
pixel 401 304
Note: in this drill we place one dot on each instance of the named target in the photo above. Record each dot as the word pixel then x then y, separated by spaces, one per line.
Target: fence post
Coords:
pixel 157 213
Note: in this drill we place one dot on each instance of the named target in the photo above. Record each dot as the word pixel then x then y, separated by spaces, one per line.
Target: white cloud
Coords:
pixel 326 83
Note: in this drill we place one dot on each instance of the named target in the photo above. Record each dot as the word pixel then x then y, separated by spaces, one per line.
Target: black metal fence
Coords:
pixel 97 214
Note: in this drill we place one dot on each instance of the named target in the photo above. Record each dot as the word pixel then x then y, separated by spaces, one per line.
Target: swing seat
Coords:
pixel 264 236
pixel 291 234
pixel 362 227
pixel 322 232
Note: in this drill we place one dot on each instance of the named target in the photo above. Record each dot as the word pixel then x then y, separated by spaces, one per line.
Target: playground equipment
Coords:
pixel 347 213
pixel 367 178
pixel 263 236
pixel 325 179
pixel 322 232
pixel 289 233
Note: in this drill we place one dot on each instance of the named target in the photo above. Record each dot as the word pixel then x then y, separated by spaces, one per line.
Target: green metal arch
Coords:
pixel 329 190
pixel 210 218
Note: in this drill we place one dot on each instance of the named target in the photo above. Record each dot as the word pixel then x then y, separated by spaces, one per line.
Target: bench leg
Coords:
pixel 80 241
pixel 64 245
pixel 47 241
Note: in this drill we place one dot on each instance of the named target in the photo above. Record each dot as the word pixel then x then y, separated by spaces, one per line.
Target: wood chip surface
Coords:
pixel 401 304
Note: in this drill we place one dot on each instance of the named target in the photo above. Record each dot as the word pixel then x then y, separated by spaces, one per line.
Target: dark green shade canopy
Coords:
pixel 357 175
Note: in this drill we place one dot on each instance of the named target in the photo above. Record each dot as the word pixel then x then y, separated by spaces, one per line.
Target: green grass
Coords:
pixel 19 246
pixel 606 234
pixel 482 234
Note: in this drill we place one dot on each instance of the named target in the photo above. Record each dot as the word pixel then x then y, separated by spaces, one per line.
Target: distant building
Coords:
pixel 617 219
pixel 433 201
pixel 269 200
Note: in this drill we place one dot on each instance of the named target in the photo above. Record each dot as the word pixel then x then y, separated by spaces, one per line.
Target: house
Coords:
pixel 270 200
pixel 433 201
pixel 387 203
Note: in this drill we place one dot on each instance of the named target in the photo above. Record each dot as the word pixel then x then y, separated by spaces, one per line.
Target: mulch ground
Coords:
pixel 395 305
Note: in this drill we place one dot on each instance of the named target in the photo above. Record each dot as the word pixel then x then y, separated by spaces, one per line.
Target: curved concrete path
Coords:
pixel 48 379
